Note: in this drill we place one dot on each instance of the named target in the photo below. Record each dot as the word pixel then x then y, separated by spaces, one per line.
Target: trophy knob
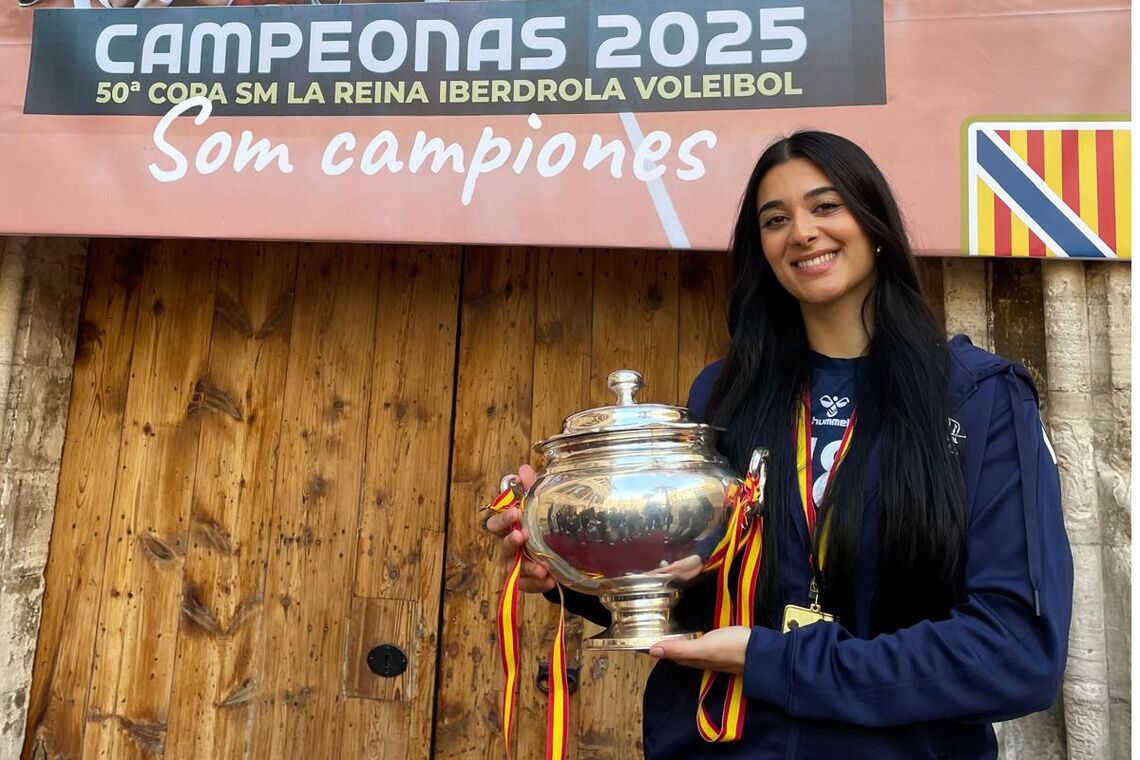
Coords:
pixel 625 383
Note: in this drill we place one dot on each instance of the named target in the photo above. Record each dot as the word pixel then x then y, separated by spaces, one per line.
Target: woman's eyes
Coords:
pixel 821 207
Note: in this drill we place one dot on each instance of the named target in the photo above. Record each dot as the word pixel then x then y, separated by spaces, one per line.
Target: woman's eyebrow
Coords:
pixel 807 196
pixel 768 205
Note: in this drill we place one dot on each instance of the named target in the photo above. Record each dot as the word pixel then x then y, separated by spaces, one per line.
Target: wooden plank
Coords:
pixel 702 324
pixel 143 578
pixel 402 512
pixel 635 326
pixel 74 575
pixel 413 378
pixel 562 344
pixel 635 322
pixel 314 524
pixel 368 728
pixel 375 734
pixel 492 435
pixel 240 406
pixel 373 623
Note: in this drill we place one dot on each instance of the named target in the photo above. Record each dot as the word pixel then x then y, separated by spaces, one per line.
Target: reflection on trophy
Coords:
pixel 626 490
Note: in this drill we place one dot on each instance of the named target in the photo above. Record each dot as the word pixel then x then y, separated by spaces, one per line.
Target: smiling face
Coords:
pixel 811 239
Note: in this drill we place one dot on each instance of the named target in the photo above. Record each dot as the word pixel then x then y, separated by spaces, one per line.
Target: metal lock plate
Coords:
pixel 387 660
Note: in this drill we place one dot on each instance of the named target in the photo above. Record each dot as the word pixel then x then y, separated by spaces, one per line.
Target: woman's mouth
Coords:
pixel 816 262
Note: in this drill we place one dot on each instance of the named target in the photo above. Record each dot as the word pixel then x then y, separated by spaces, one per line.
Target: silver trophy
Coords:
pixel 626 491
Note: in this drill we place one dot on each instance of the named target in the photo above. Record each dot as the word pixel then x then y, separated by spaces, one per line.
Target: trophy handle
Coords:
pixel 511 491
pixel 754 482
pixel 510 481
pixel 758 464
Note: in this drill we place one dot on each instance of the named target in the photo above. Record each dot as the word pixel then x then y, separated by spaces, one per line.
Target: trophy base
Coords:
pixel 642 616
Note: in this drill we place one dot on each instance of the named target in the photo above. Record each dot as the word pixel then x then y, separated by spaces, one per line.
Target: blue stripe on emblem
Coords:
pixel 1070 238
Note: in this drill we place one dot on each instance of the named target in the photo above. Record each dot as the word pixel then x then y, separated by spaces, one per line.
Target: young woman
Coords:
pixel 941 550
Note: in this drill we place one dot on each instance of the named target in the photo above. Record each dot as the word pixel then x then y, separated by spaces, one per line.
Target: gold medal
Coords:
pixel 797 617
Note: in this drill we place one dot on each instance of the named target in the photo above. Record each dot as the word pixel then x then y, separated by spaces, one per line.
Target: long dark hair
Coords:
pixel 900 393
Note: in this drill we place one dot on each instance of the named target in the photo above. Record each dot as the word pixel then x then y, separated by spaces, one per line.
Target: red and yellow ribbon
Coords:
pixel 558 691
pixel 804 468
pixel 745 532
pixel 558 699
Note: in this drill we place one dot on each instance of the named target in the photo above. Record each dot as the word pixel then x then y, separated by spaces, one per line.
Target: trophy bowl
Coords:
pixel 625 491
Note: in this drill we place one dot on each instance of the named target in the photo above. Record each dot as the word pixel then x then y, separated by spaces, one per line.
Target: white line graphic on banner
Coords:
pixel 661 200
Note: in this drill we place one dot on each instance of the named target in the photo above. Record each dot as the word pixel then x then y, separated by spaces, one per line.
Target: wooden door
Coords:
pixel 252 498
pixel 274 457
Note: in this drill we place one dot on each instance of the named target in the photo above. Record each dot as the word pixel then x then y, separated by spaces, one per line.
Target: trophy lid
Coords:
pixel 626 413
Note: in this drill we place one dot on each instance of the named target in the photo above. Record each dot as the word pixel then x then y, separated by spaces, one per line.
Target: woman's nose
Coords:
pixel 804 229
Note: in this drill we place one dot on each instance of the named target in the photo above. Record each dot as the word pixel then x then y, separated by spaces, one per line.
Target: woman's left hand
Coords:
pixel 720 649
pixel 683 570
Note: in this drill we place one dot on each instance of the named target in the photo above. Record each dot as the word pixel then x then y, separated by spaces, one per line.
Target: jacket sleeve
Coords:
pixel 1001 652
pixel 701 389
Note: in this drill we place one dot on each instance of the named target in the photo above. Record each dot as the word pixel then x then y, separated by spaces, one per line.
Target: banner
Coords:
pixel 607 123
pixel 463 58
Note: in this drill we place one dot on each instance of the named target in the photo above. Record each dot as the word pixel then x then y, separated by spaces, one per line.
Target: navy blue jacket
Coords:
pixel 930 690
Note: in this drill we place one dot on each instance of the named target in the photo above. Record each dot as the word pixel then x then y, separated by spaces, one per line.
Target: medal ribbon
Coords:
pixel 558 692
pixel 802 434
pixel 745 532
pixel 748 533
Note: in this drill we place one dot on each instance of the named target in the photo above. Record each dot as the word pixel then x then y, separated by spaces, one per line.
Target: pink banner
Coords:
pixel 1004 132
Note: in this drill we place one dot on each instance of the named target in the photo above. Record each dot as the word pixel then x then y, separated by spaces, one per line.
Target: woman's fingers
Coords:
pixel 501 523
pixel 535 585
pixel 512 542
pixel 683 569
pixel 535 570
pixel 534 577
pixel 722 649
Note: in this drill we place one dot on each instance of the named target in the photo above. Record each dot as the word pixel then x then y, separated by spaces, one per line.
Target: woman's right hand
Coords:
pixel 534 577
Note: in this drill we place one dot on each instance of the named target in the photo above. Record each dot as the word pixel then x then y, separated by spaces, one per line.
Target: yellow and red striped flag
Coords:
pixel 1038 189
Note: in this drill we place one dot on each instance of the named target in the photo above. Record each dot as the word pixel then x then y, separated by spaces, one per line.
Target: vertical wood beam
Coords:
pixel 143 574
pixel 702 313
pixel 74 585
pixel 313 529
pixel 239 401
pixel 635 326
pixel 562 348
pixel 492 435
pixel 402 510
